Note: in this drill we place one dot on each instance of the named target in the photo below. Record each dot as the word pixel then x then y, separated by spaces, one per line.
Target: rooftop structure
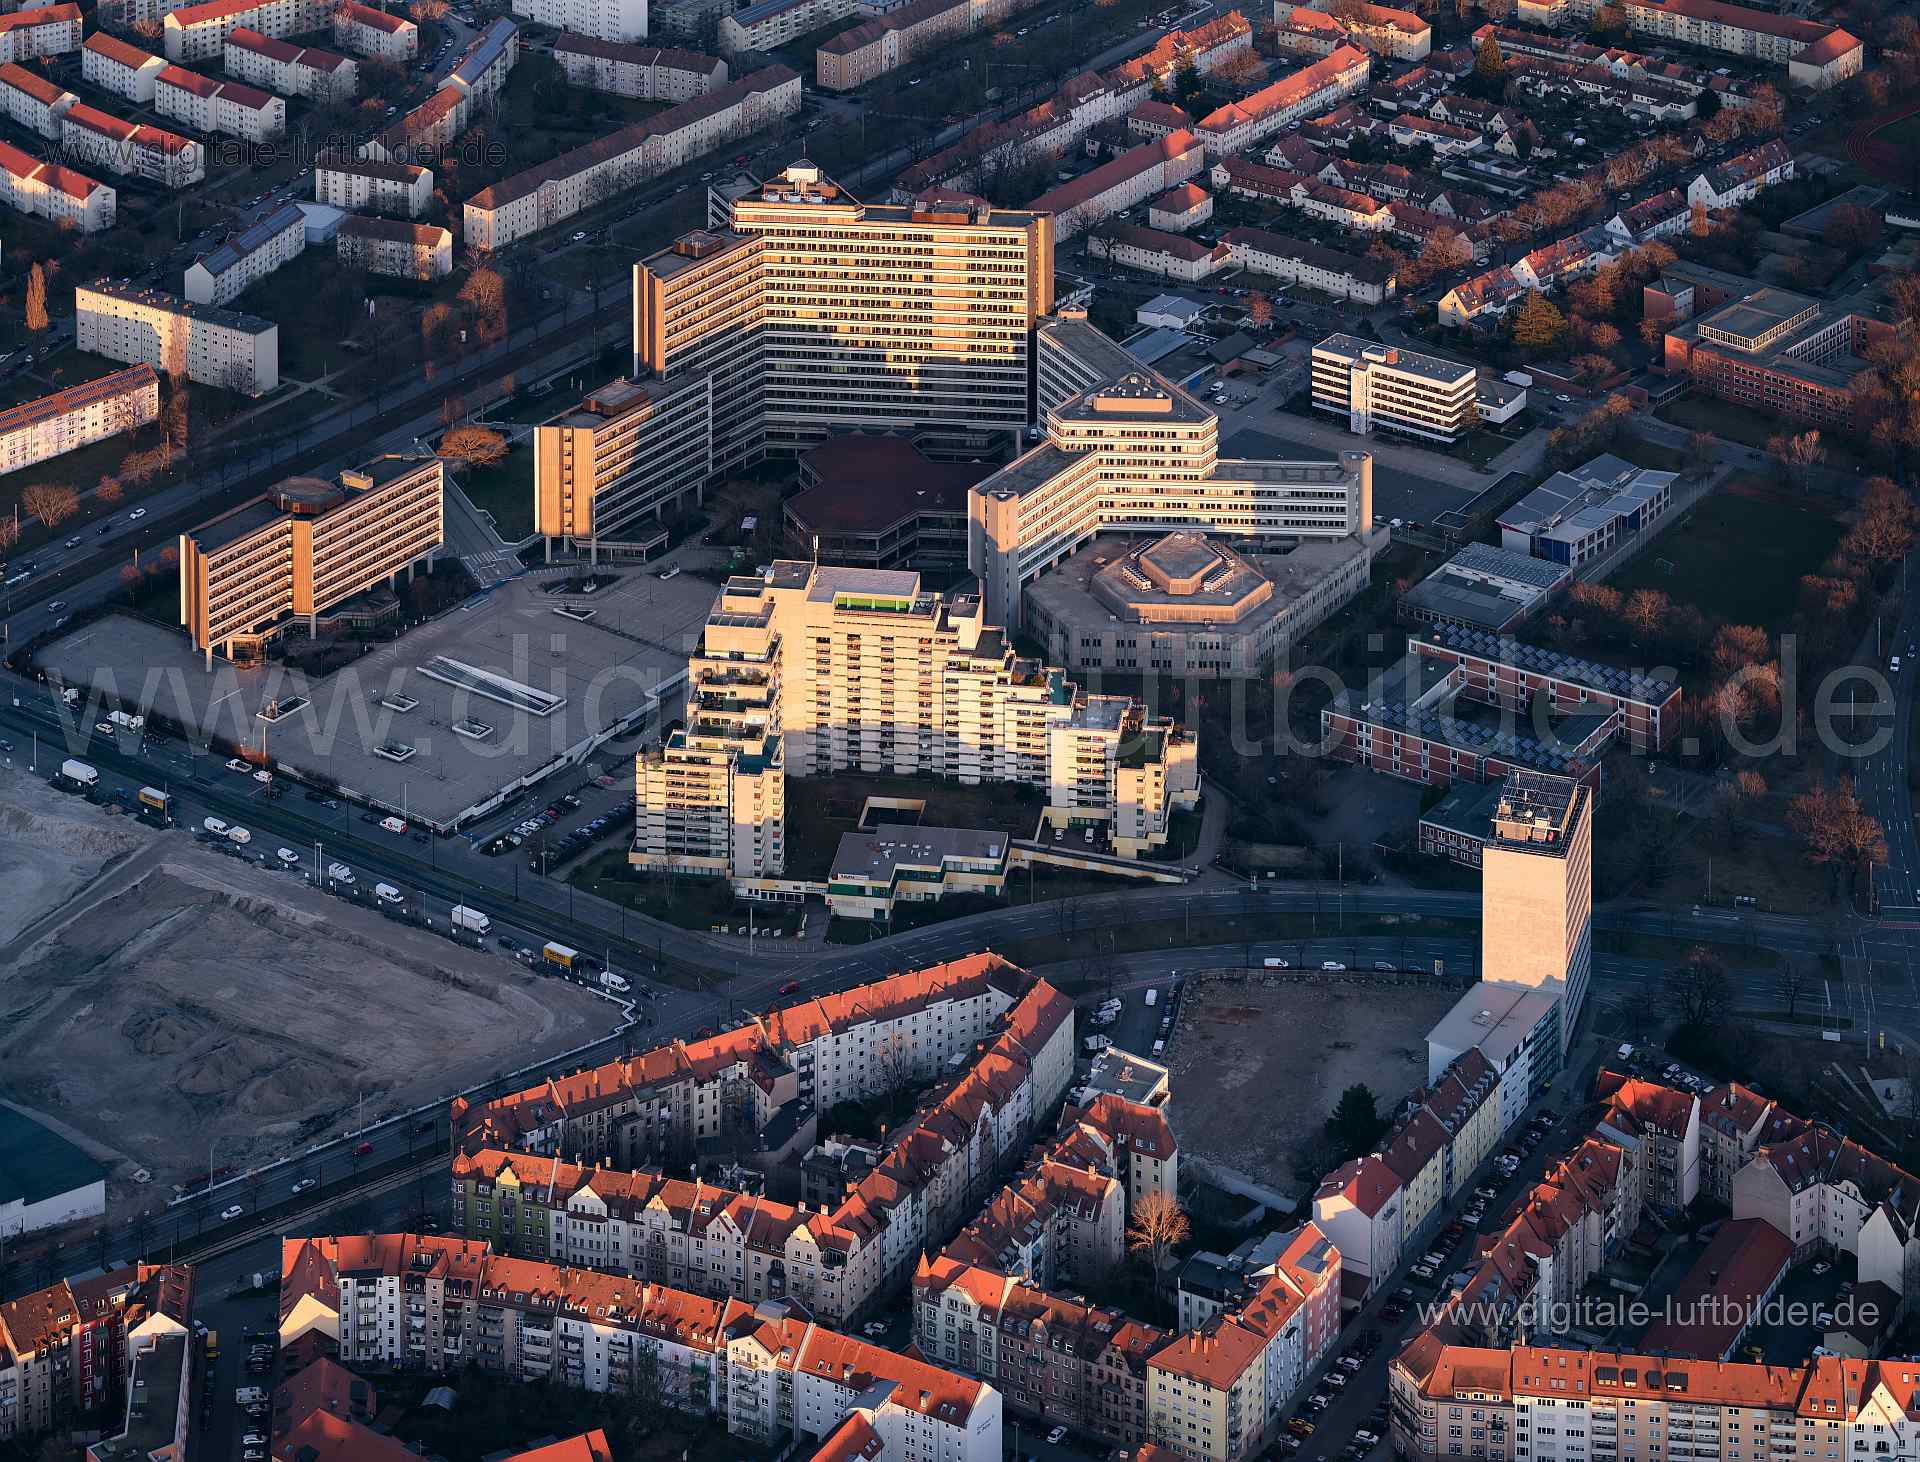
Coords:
pixel 1485 588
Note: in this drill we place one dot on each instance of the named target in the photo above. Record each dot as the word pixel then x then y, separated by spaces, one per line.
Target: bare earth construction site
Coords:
pixel 156 997
pixel 1260 1063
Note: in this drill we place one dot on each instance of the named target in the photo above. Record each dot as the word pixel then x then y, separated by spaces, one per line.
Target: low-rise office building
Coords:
pixel 47 190
pixel 364 185
pixel 645 73
pixel 394 246
pixel 111 64
pixel 305 546
pixel 106 406
pixel 219 347
pixel 1377 386
pixel 133 149
pixel 1483 587
pixel 367 31
pixel 620 21
pixel 256 251
pixel 1586 513
pixel 229 107
pixel 44 30
pixel 199 32
pixel 280 66
pixel 896 863
pixel 1188 605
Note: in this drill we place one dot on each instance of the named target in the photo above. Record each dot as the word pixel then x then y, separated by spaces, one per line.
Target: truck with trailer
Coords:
pixel 79 774
pixel 126 721
pixel 470 919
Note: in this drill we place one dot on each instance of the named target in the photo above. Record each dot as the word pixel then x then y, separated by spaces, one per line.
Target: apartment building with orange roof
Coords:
pixel 133 149
pixel 1666 1120
pixel 587 1447
pixel 1055 1358
pixel 367 31
pixel 1816 55
pixel 282 67
pixel 126 70
pixel 43 30
pixel 1240 125
pixel 1358 1206
pixel 1399 35
pixel 1735 1122
pixel 199 32
pixel 32 101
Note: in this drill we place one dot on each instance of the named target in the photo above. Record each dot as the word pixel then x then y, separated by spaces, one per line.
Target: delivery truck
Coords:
pixel 559 954
pixel 153 800
pixel 339 873
pixel 471 920
pixel 127 721
pixel 80 774
pixel 393 824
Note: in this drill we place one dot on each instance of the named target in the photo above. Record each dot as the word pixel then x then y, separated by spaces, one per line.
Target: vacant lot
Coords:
pixel 1739 556
pixel 156 996
pixel 1259 1065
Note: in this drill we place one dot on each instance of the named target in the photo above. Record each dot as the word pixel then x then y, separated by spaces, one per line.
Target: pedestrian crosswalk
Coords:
pixel 492 566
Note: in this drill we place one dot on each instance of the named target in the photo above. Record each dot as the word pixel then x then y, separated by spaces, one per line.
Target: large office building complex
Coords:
pixel 813 314
pixel 1384 388
pixel 214 346
pixel 1127 450
pixel 823 669
pixel 303 547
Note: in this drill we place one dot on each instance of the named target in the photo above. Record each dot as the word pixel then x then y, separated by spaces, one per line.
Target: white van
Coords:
pixel 1274 964
pixel 215 826
pixel 1153 997
pixel 388 894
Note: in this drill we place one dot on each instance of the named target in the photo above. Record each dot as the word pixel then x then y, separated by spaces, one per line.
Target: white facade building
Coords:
pixel 291 70
pixel 391 246
pixel 36 431
pixel 228 107
pixel 1378 386
pixel 220 347
pixel 135 150
pixel 199 32
pixel 363 185
pixel 368 31
pixel 111 64
pixel 252 254
pixel 45 30
pixel 603 20
pixel 31 101
pixel 47 190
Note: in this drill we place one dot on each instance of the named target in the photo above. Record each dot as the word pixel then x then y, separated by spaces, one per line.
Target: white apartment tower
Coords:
pixel 821 669
pixel 1536 894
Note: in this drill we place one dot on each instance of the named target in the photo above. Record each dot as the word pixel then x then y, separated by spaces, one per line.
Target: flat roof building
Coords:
pixel 305 546
pixel 900 863
pixel 888 676
pixel 878 502
pixel 220 347
pixel 45 1181
pixel 607 472
pixel 1483 587
pixel 1587 512
pixel 1536 891
pixel 1376 386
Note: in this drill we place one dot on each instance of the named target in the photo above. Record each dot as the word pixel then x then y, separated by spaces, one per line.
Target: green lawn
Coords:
pixel 1739 556
pixel 505 490
pixel 1748 427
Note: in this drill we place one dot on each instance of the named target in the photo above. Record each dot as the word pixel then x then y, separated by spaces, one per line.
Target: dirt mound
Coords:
pixel 292 1087
pixel 90 836
pixel 223 1068
pixel 157 1032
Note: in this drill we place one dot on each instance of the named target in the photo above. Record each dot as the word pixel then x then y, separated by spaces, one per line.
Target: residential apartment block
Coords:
pixel 65 1349
pixel 47 190
pixel 772 1375
pixel 132 149
pixel 1381 386
pixel 603 20
pixel 236 352
pixel 106 406
pixel 1222 1392
pixel 488 60
pixel 1140 173
pixel 111 64
pixel 840 668
pixel 304 546
pixel 645 73
pixel 937 1167
pixel 767 25
pixel 1665 1122
pixel 1296 261
pixel 1486 1403
pixel 418 137
pixel 1400 35
pixel 252 254
pixel 1735 1123
pixel 392 246
pixel 199 32
pixel 1816 56
pixel 42 30
pixel 1056 1360
pixel 364 185
pixel 549 194
pixel 1126 450
pixel 902 35
pixel 31 101
pixel 279 66
pixel 1314 88
pixel 368 31
pixel 207 105
pixel 630 453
